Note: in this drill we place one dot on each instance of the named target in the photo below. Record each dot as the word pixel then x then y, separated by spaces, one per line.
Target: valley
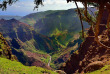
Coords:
pixel 64 41
pixel 34 44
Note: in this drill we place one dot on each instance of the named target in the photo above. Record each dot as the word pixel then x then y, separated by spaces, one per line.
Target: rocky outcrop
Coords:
pixel 40 64
pixel 5 50
pixel 34 59
pixel 60 72
pixel 89 52
pixel 93 66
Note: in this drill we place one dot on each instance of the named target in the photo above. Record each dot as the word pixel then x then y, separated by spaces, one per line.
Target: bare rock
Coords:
pixel 60 72
pixel 93 66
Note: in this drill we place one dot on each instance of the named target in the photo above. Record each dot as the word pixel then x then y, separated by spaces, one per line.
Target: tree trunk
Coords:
pixel 80 19
pixel 108 20
pixel 101 9
pixel 86 15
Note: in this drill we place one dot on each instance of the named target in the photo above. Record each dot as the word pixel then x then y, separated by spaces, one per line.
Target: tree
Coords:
pixel 4 3
pixel 101 5
pixel 80 19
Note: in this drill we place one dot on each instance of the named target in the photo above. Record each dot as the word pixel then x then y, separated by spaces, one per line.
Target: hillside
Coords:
pixel 14 67
pixel 14 31
pixel 7 66
pixel 51 22
pixel 32 18
pixel 59 24
pixel 60 21
pixel 25 41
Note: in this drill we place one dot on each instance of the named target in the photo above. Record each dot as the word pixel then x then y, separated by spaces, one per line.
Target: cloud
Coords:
pixel 24 7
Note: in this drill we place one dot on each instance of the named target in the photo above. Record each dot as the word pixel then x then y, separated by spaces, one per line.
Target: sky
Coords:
pixel 25 7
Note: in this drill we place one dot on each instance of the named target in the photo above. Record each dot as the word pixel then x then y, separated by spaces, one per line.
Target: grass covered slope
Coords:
pixel 60 25
pixel 53 22
pixel 13 67
pixel 31 19
pixel 60 21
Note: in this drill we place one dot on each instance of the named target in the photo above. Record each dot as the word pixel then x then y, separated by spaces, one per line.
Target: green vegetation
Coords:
pixel 5 50
pixel 61 21
pixel 64 38
pixel 46 60
pixel 13 67
pixel 62 52
pixel 31 19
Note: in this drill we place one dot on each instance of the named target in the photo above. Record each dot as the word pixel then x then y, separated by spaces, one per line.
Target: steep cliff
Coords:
pixel 5 50
pixel 90 56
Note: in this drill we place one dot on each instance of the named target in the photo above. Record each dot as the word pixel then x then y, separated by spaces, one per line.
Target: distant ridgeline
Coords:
pixel 7 17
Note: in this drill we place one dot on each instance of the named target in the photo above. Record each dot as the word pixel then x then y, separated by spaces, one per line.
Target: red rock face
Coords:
pixel 35 59
pixel 89 52
pixel 40 64
pixel 101 29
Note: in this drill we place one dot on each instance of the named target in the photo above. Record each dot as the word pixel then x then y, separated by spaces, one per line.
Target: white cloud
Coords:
pixel 26 7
